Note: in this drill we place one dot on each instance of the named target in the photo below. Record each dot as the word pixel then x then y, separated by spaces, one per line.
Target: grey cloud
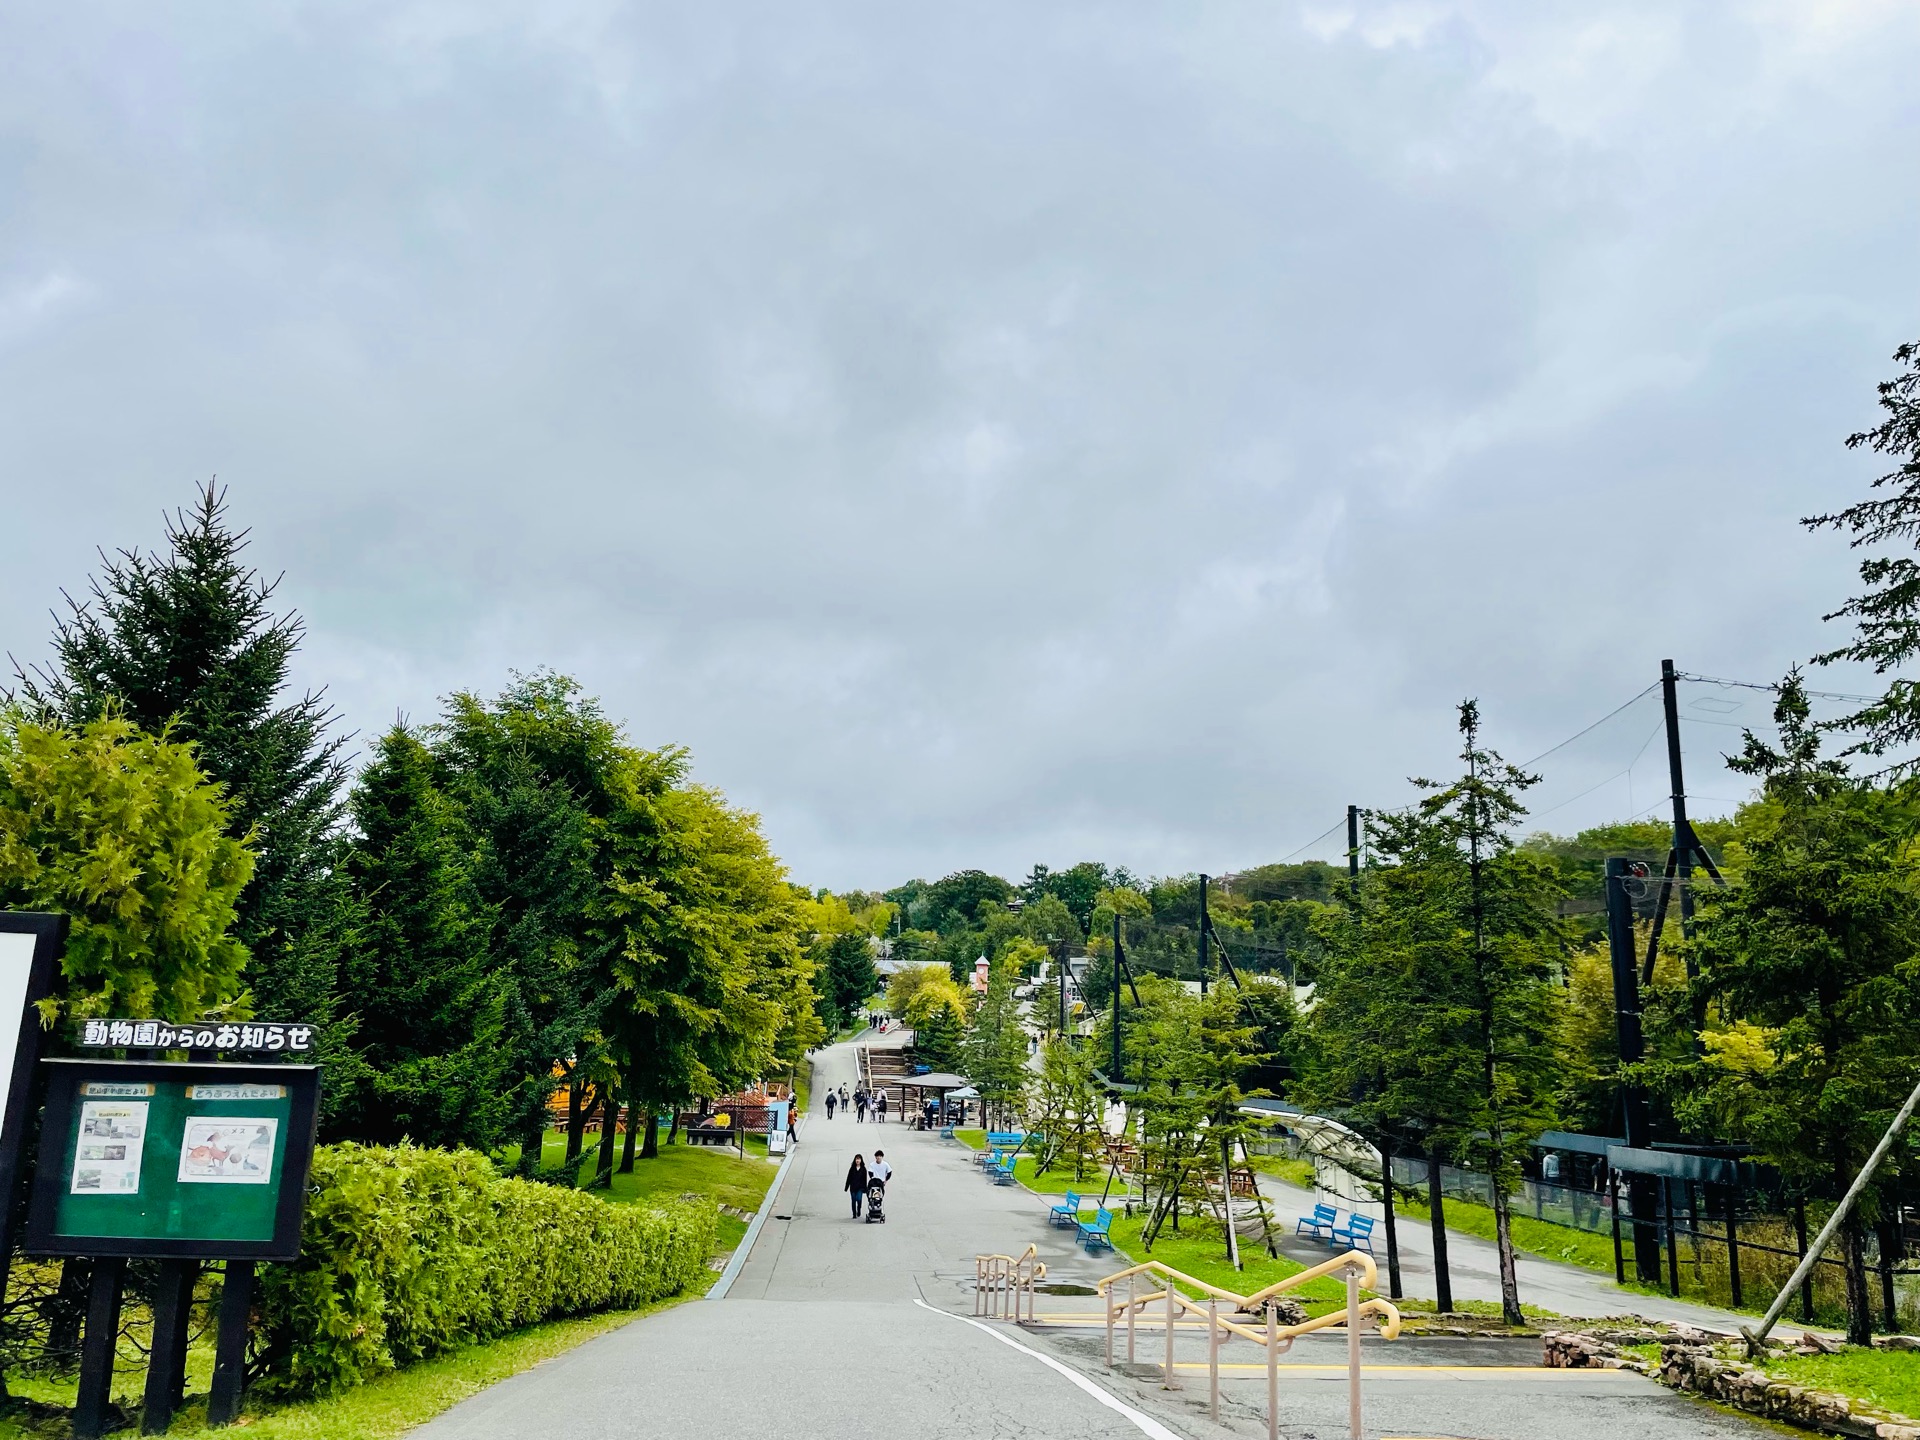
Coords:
pixel 983 435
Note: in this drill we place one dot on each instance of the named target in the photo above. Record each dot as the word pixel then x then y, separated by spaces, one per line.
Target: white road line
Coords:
pixel 1146 1424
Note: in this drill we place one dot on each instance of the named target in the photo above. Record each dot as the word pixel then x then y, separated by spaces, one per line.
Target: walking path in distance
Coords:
pixel 841 1330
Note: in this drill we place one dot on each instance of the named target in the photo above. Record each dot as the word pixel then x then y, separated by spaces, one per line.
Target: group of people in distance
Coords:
pixel 862 1177
pixel 860 1102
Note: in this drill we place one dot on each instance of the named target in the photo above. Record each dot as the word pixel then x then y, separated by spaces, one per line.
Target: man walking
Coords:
pixel 879 1169
pixel 830 1100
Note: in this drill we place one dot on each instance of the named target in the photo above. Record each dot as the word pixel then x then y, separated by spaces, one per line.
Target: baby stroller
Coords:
pixel 876 1202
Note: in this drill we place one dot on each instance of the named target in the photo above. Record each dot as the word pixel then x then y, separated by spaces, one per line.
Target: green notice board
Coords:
pixel 181 1160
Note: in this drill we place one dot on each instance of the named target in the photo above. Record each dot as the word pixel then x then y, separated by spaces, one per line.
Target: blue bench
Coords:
pixel 946 1132
pixel 1357 1233
pixel 1324 1218
pixel 1003 1172
pixel 1067 1212
pixel 1096 1236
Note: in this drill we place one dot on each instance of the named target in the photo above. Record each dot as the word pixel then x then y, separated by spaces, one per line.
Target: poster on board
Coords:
pixel 106 1161
pixel 227 1150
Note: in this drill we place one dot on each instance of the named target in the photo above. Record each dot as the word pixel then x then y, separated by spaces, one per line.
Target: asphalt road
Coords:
pixel 842 1330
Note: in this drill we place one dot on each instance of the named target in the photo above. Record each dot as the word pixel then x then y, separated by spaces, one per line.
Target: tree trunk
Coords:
pixel 626 1149
pixel 1393 1234
pixel 576 1117
pixel 609 1117
pixel 534 1142
pixel 672 1130
pixel 1437 1215
pixel 1859 1303
pixel 1503 1238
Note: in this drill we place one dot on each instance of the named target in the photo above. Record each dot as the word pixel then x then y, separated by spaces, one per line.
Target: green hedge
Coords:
pixel 410 1251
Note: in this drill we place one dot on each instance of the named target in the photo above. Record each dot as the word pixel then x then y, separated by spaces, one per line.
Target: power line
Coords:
pixel 1595 726
pixel 1775 689
pixel 1338 824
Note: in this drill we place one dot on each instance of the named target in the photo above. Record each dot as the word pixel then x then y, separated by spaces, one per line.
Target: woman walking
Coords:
pixel 857 1184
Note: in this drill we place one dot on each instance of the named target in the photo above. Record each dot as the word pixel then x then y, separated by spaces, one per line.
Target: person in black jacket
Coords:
pixel 857 1184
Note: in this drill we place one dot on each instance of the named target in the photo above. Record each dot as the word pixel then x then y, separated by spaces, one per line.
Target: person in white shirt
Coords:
pixel 879 1169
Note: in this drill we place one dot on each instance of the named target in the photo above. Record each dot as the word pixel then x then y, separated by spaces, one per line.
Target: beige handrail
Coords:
pixel 999 1282
pixel 1358 1269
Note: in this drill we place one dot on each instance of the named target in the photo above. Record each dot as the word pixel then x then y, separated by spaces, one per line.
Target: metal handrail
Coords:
pixel 1358 1268
pixel 999 1282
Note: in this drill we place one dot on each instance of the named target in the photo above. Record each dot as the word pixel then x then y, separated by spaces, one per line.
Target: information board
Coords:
pixel 184 1161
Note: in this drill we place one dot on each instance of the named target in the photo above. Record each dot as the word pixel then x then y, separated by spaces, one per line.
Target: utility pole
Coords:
pixel 1353 853
pixel 1120 968
pixel 1687 848
pixel 1633 1101
pixel 1204 927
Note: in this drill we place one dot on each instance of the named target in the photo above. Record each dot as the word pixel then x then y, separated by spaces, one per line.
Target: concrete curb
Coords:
pixel 741 1251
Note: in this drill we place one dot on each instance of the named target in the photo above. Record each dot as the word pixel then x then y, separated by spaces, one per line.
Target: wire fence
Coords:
pixel 1732 1247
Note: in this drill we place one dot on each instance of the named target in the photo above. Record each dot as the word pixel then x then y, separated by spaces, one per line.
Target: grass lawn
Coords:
pixel 1200 1250
pixel 1887 1378
pixel 388 1406
pixel 1286 1167
pixel 1535 1237
pixel 679 1170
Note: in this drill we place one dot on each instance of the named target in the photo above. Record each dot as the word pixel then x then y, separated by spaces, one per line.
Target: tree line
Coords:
pixel 505 899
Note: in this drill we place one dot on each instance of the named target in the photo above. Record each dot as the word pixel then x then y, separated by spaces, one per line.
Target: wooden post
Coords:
pixel 1800 1234
pixel 1213 1356
pixel 230 1346
pixel 1733 1243
pixel 95 1398
pixel 1353 1349
pixel 1613 1206
pixel 167 1364
pixel 1167 1382
pixel 1273 1372
pixel 1673 1237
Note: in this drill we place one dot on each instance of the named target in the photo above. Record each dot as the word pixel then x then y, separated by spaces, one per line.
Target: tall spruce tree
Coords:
pixel 189 642
pixel 1886 615
pixel 1810 964
pixel 534 773
pixel 1437 1014
pixel 431 1012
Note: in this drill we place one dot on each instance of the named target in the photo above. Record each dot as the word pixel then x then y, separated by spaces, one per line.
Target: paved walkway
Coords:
pixel 1473 1264
pixel 841 1330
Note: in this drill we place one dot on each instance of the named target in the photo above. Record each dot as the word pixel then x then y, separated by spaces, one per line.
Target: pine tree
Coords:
pixel 1810 962
pixel 996 1050
pixel 1435 1017
pixel 431 1012
pixel 1887 614
pixel 189 639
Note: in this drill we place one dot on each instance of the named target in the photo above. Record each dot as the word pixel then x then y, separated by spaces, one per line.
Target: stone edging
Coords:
pixel 1711 1364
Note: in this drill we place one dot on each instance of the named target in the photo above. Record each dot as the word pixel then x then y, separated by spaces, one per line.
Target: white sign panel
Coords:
pixel 16 966
pixel 227 1150
pixel 106 1157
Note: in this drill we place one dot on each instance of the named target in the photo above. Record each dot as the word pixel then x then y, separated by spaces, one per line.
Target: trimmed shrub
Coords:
pixel 409 1251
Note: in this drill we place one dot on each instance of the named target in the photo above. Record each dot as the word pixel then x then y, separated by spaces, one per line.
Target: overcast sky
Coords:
pixel 984 434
